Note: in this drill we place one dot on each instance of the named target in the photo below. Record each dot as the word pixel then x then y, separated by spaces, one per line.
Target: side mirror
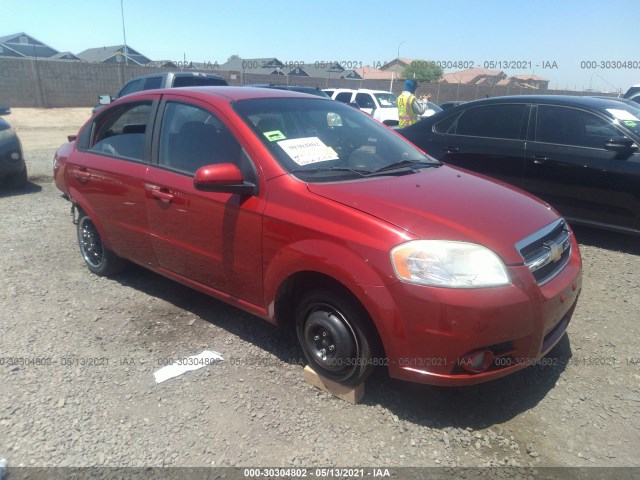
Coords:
pixel 5 110
pixel 223 177
pixel 621 145
pixel 104 99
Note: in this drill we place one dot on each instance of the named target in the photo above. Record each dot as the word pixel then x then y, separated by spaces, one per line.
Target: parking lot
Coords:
pixel 78 353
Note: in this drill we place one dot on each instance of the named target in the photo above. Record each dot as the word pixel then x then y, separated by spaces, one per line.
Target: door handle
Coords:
pixel 450 149
pixel 163 195
pixel 82 174
pixel 539 159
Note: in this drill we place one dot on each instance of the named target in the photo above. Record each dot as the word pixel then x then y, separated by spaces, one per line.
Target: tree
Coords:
pixel 423 71
pixel 235 56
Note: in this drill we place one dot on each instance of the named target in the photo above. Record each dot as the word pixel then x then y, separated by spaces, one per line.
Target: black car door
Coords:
pixel 568 165
pixel 488 139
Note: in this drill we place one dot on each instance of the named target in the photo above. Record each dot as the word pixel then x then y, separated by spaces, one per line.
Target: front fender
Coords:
pixel 344 266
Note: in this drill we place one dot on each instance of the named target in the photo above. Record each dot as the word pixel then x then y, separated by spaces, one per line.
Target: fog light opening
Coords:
pixel 477 361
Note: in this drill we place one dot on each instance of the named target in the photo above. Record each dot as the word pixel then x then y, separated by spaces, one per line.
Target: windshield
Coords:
pixel 323 140
pixel 625 115
pixel 387 100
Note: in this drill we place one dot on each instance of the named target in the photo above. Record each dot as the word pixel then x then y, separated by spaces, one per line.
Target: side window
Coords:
pixel 122 133
pixel 570 126
pixel 192 137
pixel 448 125
pixel 364 100
pixel 152 82
pixel 344 97
pixel 493 121
pixel 132 86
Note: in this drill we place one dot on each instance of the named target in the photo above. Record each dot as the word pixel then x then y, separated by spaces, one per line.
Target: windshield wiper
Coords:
pixel 362 173
pixel 406 165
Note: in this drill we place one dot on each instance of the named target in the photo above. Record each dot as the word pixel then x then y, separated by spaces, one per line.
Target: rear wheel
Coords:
pixel 98 258
pixel 335 335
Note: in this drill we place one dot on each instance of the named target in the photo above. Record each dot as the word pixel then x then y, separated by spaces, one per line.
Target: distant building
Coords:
pixel 529 81
pixel 397 65
pixel 66 56
pixel 475 76
pixel 485 77
pixel 114 54
pixel 273 66
pixel 22 45
pixel 370 73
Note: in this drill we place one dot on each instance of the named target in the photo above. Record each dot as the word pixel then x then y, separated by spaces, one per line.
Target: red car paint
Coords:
pixel 244 248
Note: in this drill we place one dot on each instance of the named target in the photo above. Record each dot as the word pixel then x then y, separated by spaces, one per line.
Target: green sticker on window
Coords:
pixel 274 135
pixel 630 123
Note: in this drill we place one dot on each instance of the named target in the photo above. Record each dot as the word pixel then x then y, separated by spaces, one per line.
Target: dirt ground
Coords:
pixel 78 352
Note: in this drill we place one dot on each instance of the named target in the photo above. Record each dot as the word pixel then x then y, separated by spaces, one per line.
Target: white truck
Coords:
pixel 383 106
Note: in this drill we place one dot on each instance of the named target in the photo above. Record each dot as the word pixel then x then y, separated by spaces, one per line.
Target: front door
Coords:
pixel 211 238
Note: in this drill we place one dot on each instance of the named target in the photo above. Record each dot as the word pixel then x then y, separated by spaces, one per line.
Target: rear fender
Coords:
pixel 81 203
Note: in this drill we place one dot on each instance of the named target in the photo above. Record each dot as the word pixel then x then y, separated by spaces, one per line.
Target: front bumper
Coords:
pixel 432 329
pixel 11 158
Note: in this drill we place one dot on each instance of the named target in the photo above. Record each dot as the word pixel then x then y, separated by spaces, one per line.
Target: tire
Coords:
pixel 335 335
pixel 98 258
pixel 17 180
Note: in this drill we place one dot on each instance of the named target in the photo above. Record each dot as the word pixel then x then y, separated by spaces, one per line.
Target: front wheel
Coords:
pixel 98 258
pixel 335 335
pixel 17 180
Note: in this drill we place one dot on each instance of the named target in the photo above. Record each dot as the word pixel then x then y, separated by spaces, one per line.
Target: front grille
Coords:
pixel 547 251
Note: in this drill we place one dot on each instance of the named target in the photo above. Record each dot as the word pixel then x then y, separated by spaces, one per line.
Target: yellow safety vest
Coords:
pixel 406 115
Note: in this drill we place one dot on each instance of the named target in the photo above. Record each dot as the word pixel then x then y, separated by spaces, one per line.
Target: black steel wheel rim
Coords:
pixel 330 340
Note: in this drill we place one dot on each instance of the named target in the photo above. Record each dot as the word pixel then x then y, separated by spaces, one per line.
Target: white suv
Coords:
pixel 383 106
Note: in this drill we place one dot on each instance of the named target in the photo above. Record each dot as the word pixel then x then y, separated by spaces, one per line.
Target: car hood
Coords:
pixel 448 203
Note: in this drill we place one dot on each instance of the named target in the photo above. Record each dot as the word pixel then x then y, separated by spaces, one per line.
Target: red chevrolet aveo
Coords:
pixel 312 215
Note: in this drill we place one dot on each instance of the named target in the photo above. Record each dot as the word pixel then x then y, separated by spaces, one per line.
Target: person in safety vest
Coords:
pixel 409 107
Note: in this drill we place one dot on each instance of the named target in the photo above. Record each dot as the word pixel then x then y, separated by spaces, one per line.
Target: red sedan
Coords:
pixel 313 216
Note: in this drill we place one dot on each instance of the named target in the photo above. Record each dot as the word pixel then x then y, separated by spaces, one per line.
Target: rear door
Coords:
pixel 488 139
pixel 214 239
pixel 568 165
pixel 107 174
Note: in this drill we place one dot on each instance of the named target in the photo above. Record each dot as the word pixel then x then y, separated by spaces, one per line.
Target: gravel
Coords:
pixel 79 351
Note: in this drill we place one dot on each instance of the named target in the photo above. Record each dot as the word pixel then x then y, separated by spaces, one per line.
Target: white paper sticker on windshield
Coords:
pixel 622 114
pixel 308 150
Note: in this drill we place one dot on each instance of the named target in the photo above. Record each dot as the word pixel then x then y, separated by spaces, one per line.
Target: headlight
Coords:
pixel 443 263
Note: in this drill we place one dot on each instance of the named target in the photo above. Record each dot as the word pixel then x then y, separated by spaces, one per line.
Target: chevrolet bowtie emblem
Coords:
pixel 556 251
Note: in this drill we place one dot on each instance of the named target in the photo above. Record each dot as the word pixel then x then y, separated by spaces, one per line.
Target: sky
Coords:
pixel 575 44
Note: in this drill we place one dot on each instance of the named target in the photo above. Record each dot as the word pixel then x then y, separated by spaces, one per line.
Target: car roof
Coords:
pixel 368 90
pixel 179 74
pixel 295 88
pixel 566 100
pixel 229 93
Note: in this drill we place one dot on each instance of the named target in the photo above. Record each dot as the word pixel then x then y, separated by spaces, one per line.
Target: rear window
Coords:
pixel 198 81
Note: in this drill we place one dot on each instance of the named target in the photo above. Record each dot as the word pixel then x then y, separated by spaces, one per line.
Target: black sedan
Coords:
pixel 580 154
pixel 13 170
